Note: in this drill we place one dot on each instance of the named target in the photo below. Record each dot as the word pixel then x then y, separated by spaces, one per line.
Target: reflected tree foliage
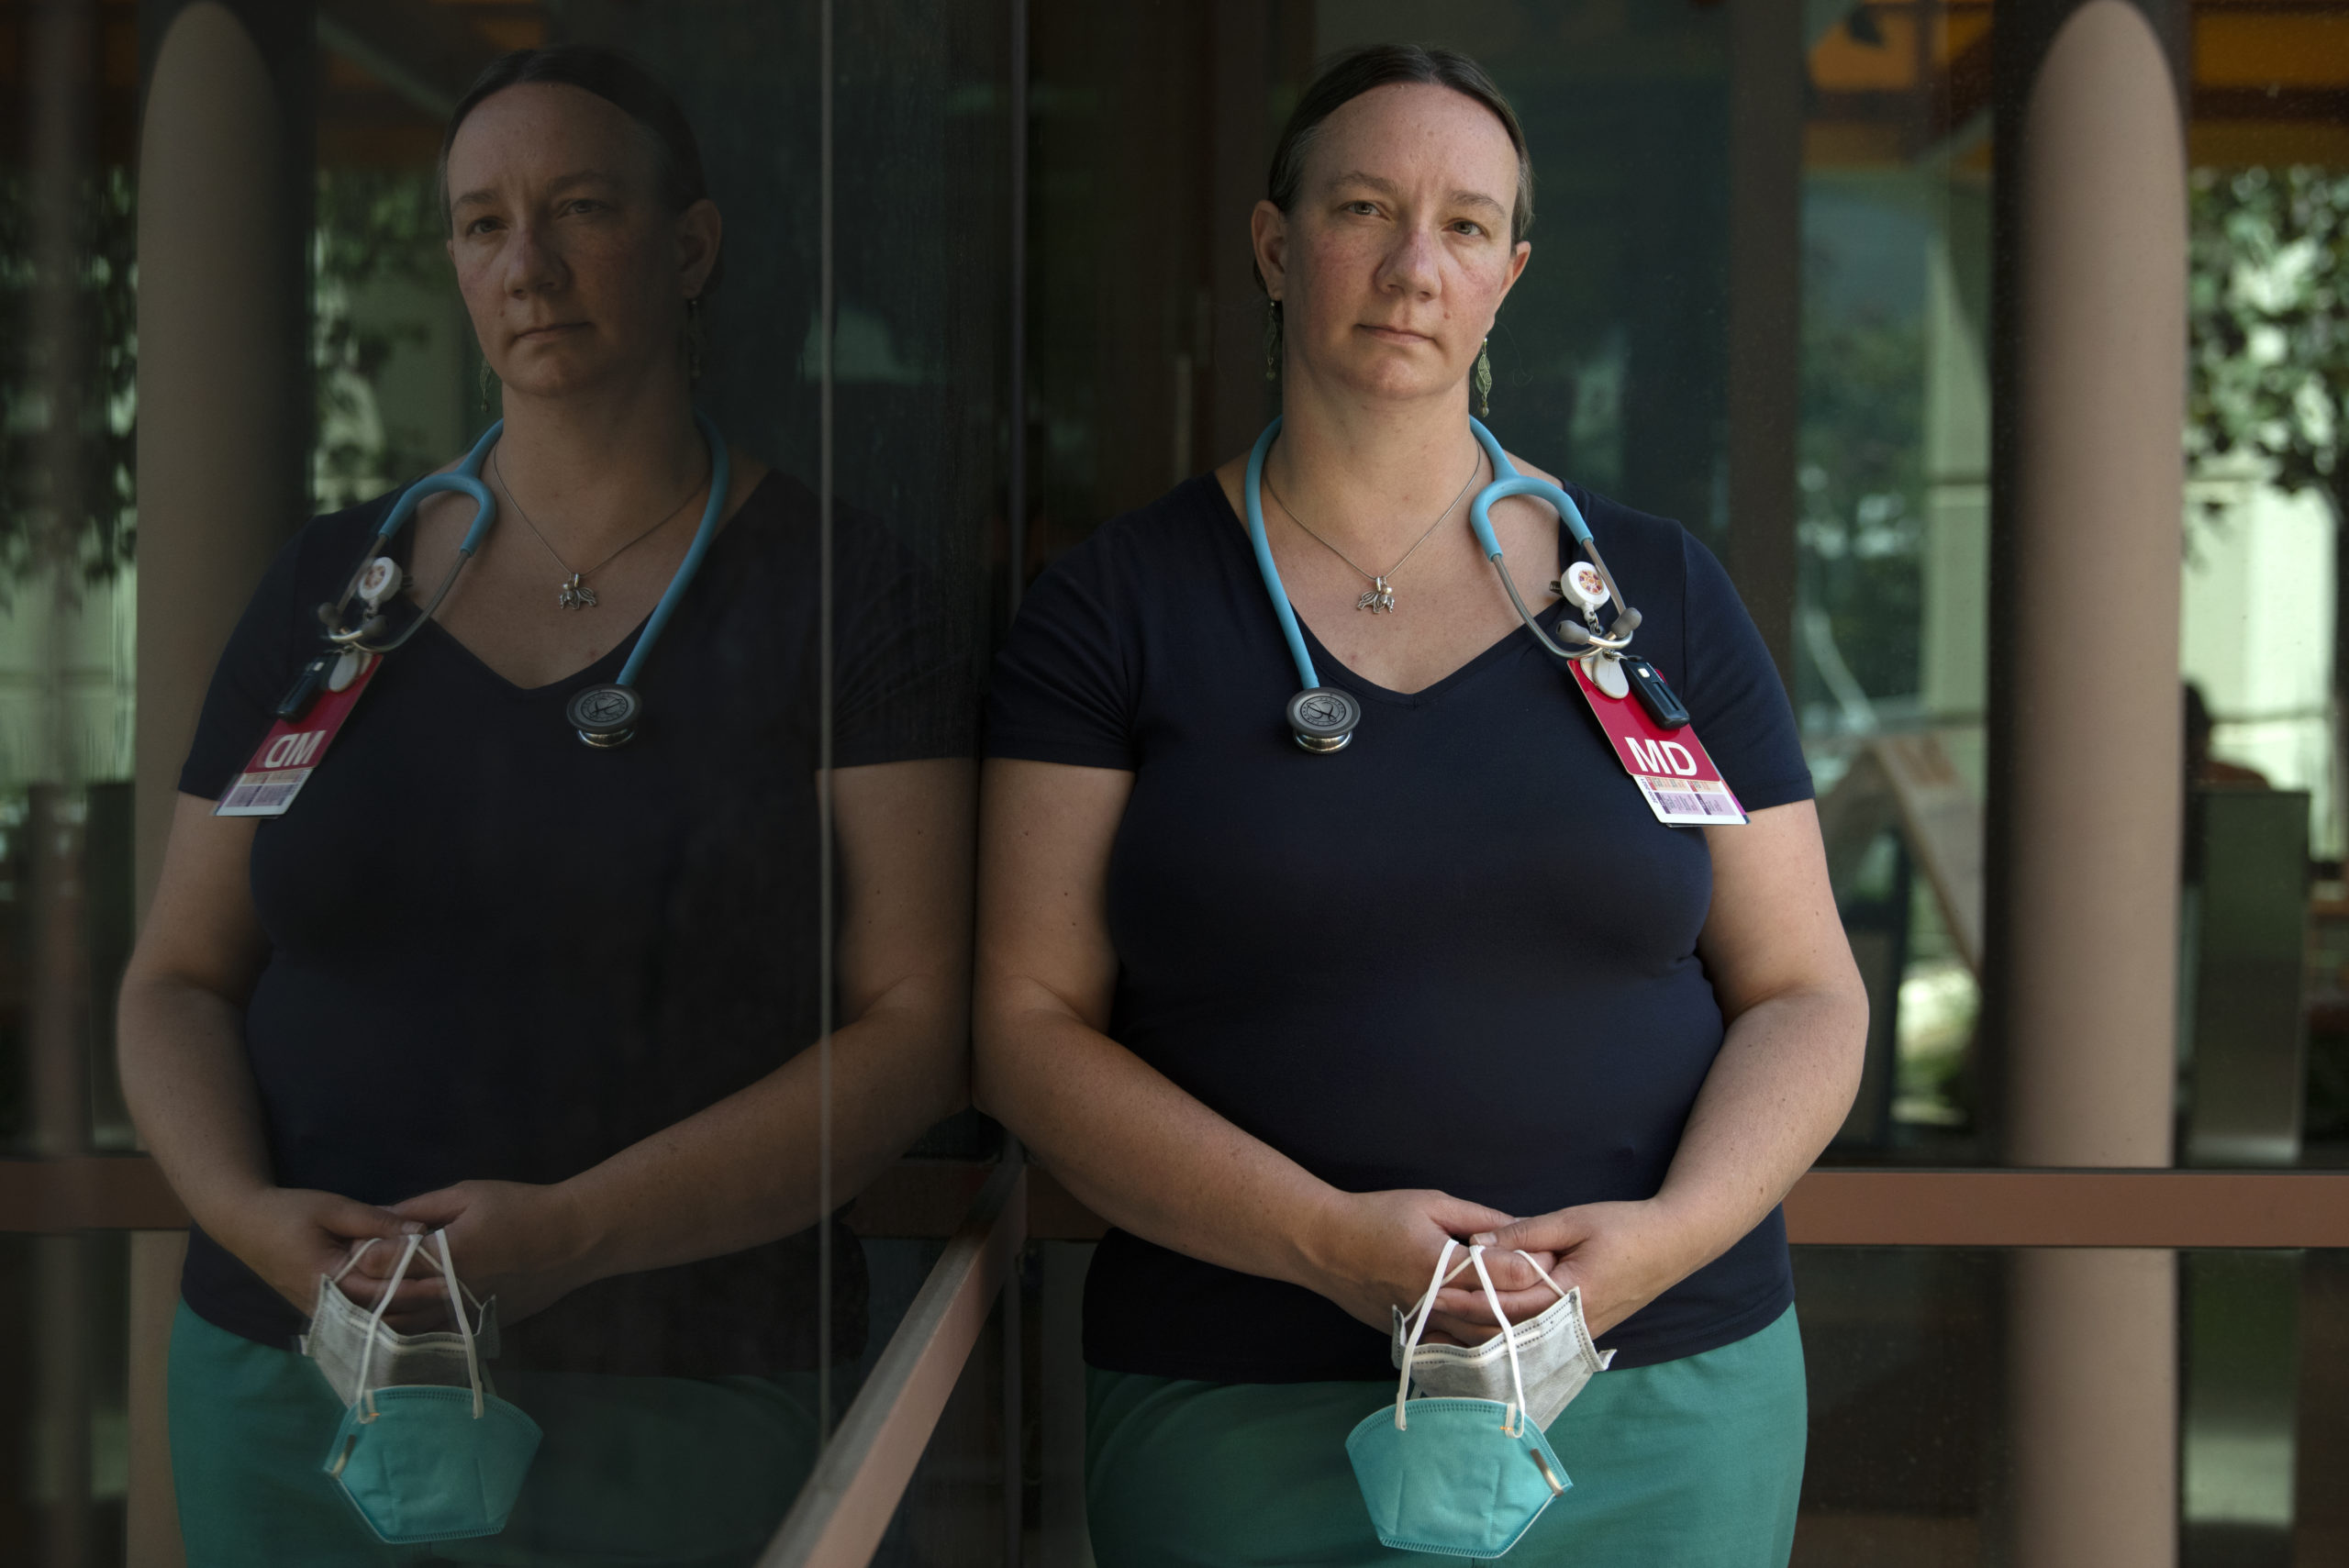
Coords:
pixel 2270 321
pixel 375 227
pixel 2268 357
pixel 1862 524
pixel 99 543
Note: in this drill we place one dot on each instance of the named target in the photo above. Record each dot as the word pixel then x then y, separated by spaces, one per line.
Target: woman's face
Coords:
pixel 1396 255
pixel 574 271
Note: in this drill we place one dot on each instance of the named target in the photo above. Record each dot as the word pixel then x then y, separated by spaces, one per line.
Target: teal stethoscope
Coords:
pixel 604 715
pixel 1323 718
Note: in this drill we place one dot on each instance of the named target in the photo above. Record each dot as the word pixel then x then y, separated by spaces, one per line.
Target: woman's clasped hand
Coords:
pixel 1620 1255
pixel 527 1244
pixel 1373 1253
pixel 292 1237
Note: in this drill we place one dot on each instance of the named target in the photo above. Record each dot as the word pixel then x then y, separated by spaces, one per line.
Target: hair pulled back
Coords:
pixel 1345 76
pixel 620 82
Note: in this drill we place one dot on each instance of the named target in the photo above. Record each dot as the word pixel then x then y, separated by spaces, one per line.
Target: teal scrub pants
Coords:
pixel 1690 1463
pixel 687 1472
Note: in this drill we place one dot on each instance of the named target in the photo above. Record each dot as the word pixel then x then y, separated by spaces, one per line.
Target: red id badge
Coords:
pixel 1670 766
pixel 290 752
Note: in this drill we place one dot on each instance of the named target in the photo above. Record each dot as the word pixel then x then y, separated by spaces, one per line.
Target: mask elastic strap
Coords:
pixel 353 1261
pixel 479 1306
pixel 1537 1269
pixel 1515 1421
pixel 375 1324
pixel 1462 1267
pixel 457 1305
pixel 1411 1346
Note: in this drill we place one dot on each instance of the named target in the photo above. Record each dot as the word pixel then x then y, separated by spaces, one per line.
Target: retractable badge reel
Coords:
pixel 1645 720
pixel 312 712
pixel 1616 672
pixel 1582 586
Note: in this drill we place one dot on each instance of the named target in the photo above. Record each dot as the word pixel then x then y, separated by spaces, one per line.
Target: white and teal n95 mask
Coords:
pixel 342 1332
pixel 428 1461
pixel 1554 1349
pixel 1463 1477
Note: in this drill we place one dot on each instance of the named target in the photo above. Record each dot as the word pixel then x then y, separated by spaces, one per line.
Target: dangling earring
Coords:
pixel 488 379
pixel 1483 378
pixel 1272 339
pixel 695 339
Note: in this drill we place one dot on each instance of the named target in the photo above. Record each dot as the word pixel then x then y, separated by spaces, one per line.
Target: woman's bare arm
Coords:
pixel 1142 1153
pixel 180 1036
pixel 1789 1065
pixel 745 1170
pixel 1774 947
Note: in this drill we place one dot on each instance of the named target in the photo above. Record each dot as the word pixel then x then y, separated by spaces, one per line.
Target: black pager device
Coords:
pixel 1655 695
pixel 305 685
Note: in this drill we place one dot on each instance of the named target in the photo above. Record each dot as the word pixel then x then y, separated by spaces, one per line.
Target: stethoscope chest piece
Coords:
pixel 1323 718
pixel 605 715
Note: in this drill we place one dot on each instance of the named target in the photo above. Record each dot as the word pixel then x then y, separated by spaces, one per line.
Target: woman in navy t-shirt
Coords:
pixel 555 999
pixel 1289 1021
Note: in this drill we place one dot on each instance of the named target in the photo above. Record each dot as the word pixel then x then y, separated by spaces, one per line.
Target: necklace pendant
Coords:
pixel 576 595
pixel 1378 599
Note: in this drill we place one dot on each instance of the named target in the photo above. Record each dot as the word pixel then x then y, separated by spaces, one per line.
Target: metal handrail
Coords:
pixel 848 1501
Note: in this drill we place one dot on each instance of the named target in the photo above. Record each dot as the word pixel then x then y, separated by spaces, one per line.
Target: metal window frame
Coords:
pixel 1831 1206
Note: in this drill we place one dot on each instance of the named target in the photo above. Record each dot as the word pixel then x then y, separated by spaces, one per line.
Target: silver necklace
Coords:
pixel 574 593
pixel 1379 597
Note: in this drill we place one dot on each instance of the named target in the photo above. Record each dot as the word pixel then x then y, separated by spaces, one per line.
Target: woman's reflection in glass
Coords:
pixel 558 1000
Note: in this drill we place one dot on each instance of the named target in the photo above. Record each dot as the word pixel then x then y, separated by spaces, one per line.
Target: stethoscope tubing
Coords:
pixel 465 480
pixel 1253 492
pixel 721 480
pixel 1507 482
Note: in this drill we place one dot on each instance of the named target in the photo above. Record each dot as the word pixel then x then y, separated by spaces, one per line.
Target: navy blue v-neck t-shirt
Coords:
pixel 1460 953
pixel 497 953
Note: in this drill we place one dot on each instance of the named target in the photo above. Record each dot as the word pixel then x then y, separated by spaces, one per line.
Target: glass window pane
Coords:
pixel 856 592
pixel 1768 301
pixel 1894 480
pixel 68 609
